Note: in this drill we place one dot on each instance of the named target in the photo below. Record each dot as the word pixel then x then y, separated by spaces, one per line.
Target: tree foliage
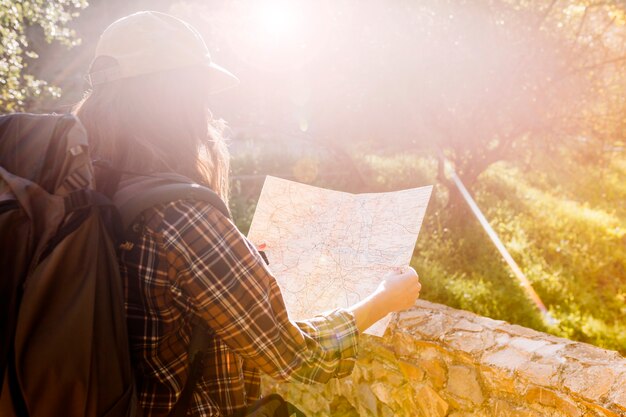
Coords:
pixel 19 20
pixel 526 71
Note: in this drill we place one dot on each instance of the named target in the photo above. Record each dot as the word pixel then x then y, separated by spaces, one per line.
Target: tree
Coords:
pixel 19 22
pixel 483 81
pixel 526 76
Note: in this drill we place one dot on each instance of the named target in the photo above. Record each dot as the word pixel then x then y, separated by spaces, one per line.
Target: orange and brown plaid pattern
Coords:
pixel 191 263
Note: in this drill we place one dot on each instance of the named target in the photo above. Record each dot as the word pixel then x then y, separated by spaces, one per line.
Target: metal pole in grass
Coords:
pixel 524 282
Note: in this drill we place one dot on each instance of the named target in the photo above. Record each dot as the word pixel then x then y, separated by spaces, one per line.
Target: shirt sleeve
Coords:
pixel 231 288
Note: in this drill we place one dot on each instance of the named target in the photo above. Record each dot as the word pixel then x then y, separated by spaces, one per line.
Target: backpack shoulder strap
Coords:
pixel 139 193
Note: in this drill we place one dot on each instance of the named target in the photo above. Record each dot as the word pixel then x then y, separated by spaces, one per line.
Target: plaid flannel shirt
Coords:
pixel 189 263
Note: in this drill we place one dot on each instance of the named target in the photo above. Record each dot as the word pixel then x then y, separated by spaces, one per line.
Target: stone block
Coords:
pixel 429 350
pixel 553 399
pixel 599 410
pixel 411 372
pixel 502 339
pixel 557 361
pixel 498 380
pixel 339 407
pixel 507 358
pixel 528 345
pixel 538 373
pixel 433 328
pixel 471 343
pixel 382 352
pixel 366 400
pixel 503 408
pixel 467 325
pixel 551 349
pixel 348 391
pixel 462 357
pixel 406 398
pixel 463 383
pixel 411 318
pixel 360 372
pixel 618 398
pixel 430 403
pixel 383 371
pixel 584 352
pixel 524 331
pixel 387 412
pixel 403 344
pixel 435 371
pixel 383 392
pixel 591 382
pixel 491 323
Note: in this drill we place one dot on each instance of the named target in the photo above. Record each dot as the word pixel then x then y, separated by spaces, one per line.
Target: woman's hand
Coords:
pixel 398 291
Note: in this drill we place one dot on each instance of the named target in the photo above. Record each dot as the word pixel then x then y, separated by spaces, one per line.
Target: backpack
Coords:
pixel 64 342
pixel 65 345
pixel 65 348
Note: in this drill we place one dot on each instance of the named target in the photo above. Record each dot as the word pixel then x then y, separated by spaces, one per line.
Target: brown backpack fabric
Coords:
pixel 64 345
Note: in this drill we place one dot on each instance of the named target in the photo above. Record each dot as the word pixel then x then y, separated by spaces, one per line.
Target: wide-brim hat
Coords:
pixel 148 42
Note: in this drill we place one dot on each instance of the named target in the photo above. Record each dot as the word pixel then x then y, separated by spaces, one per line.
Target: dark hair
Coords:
pixel 157 123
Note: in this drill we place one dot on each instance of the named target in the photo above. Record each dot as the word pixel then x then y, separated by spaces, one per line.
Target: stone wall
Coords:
pixel 438 361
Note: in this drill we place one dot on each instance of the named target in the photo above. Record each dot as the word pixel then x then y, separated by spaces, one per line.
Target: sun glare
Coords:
pixel 277 19
pixel 276 35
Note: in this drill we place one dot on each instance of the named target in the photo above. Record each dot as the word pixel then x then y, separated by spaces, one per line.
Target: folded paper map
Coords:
pixel 330 249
